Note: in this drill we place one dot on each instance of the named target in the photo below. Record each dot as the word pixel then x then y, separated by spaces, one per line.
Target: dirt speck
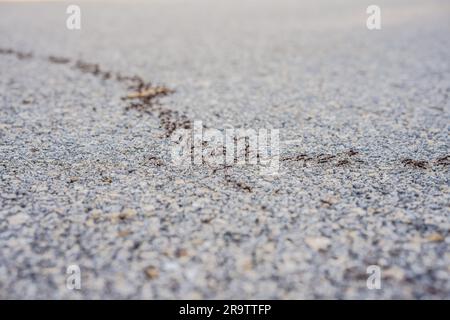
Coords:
pixel 419 164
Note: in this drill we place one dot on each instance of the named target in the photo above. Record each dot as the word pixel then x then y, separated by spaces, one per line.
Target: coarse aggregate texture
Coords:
pixel 86 177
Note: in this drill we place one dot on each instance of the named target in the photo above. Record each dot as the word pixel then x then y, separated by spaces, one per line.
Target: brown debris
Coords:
pixel 151 272
pixel 24 55
pixel 143 95
pixel 92 68
pixel 149 93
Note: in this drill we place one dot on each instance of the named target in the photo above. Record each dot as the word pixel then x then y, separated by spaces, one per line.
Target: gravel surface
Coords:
pixel 86 175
